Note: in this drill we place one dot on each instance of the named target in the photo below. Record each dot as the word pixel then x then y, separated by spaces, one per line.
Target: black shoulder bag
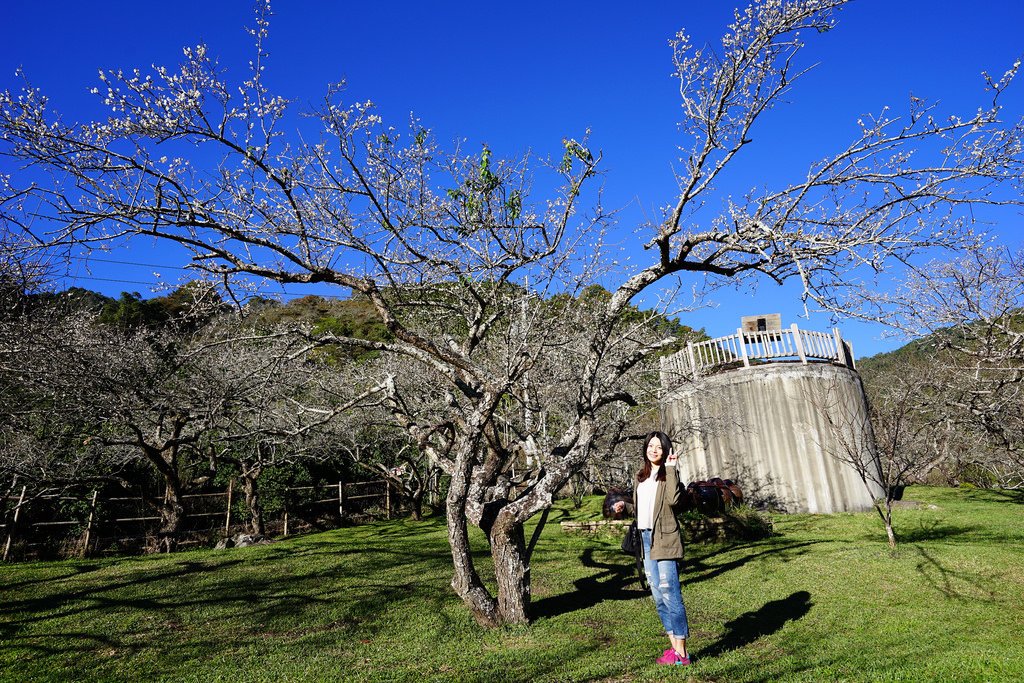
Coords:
pixel 631 543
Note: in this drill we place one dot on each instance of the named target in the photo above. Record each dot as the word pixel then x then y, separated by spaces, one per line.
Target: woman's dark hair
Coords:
pixel 666 448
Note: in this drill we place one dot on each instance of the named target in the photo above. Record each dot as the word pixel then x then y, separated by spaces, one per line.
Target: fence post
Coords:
pixel 227 517
pixel 387 499
pixel 14 520
pixel 286 512
pixel 841 348
pixel 693 359
pixel 799 343
pixel 743 346
pixel 88 525
pixel 341 500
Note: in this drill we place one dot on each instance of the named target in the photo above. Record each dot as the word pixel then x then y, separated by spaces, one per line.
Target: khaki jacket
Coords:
pixel 666 542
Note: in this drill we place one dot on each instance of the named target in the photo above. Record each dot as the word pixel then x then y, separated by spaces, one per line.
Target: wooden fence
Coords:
pixel 352 501
pixel 40 524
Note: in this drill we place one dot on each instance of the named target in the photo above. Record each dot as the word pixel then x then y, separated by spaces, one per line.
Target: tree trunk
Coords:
pixel 416 504
pixel 888 523
pixel 416 487
pixel 253 502
pixel 465 580
pixel 164 456
pixel 891 534
pixel 172 513
pixel 511 573
pixel 886 515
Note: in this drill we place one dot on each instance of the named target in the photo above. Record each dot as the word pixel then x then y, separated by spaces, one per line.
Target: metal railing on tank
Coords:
pixel 748 348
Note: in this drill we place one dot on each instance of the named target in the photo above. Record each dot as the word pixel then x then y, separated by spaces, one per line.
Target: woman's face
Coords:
pixel 654 451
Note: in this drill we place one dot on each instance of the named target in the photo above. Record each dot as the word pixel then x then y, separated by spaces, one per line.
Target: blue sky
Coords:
pixel 522 76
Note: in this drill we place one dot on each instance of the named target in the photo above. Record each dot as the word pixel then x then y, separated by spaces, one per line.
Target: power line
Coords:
pixel 73 278
pixel 282 290
pixel 107 279
pixel 126 263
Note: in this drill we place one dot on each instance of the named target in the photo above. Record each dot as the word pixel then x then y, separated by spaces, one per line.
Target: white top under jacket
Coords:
pixel 645 492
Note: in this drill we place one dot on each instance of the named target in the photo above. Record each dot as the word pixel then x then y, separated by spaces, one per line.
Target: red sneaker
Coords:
pixel 671 658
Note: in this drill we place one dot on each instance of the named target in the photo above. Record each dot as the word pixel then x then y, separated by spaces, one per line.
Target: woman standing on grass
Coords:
pixel 655 498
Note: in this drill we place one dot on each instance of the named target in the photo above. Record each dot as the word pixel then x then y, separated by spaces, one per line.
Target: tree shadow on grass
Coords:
pixel 77 570
pixel 954 585
pixel 611 583
pixel 750 626
pixel 931 530
pixel 146 608
pixel 994 495
pixel 558 515
pixel 401 529
pixel 89 596
pixel 697 570
pixel 1011 495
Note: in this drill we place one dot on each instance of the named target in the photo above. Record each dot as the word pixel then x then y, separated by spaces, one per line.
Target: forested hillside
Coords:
pixel 948 407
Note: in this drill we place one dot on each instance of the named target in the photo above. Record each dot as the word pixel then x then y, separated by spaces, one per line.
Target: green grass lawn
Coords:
pixel 822 600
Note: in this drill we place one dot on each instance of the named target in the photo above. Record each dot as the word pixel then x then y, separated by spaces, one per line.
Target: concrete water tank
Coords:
pixel 781 412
